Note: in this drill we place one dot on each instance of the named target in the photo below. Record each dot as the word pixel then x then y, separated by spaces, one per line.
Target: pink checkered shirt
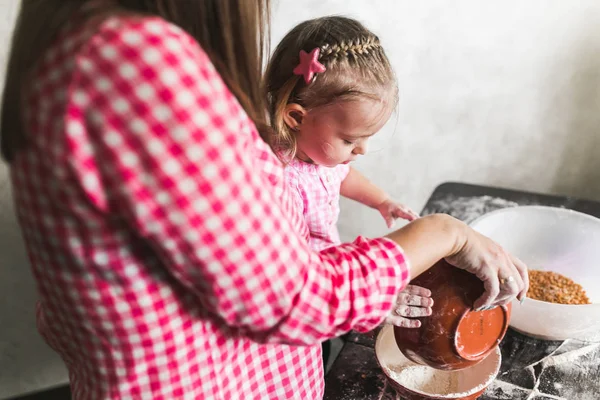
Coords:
pixel 169 257
pixel 316 191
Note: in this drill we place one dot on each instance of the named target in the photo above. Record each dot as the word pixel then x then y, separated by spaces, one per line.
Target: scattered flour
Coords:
pixel 450 384
pixel 468 209
pixel 425 379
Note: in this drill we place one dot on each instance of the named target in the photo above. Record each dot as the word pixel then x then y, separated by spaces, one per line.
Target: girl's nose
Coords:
pixel 360 149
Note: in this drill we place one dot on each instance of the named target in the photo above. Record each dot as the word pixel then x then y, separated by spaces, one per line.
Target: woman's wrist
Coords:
pixel 456 229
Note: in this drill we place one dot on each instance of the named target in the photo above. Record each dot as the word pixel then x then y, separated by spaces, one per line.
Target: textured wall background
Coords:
pixel 504 93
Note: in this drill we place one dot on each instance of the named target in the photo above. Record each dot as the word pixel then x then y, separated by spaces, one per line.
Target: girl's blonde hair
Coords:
pixel 356 66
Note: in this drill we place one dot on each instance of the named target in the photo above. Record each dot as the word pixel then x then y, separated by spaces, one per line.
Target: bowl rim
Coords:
pixel 534 207
pixel 506 311
pixel 546 208
pixel 471 392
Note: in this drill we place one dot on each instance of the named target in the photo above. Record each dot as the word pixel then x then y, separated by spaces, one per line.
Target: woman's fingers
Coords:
pixel 413 312
pixel 509 280
pixel 491 286
pixel 413 302
pixel 524 274
pixel 417 290
pixel 415 296
pixel 403 322
pixel 513 280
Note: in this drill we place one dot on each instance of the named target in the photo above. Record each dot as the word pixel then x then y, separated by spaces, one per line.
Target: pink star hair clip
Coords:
pixel 309 65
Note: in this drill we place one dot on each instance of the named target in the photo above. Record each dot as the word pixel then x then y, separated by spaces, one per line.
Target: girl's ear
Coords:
pixel 294 115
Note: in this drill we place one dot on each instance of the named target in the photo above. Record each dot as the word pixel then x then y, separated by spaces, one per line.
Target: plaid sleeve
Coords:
pixel 160 142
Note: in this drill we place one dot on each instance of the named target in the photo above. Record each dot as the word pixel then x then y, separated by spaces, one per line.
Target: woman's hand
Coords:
pixel 504 276
pixel 412 302
pixel 390 210
pixel 428 239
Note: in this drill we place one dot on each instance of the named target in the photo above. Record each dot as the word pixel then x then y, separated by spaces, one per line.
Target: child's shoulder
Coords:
pixel 299 168
pixel 292 173
pixel 342 171
pixel 300 174
pixel 301 171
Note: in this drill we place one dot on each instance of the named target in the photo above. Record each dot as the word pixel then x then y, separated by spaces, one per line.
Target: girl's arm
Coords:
pixel 358 188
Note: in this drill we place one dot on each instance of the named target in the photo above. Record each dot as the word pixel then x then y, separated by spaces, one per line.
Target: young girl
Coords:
pixel 330 88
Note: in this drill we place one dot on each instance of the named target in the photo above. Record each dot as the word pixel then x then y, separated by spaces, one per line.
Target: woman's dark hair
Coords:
pixel 232 32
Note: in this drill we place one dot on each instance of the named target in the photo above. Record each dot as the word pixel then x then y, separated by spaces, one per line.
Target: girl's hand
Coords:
pixel 504 276
pixel 391 210
pixel 412 302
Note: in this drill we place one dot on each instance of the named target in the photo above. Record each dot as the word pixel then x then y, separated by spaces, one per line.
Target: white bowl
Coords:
pixel 553 239
pixel 419 381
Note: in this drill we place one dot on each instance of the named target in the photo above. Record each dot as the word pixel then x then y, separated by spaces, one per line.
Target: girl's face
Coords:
pixel 338 133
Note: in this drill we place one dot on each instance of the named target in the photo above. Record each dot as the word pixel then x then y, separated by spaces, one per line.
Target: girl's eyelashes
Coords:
pixel 348 142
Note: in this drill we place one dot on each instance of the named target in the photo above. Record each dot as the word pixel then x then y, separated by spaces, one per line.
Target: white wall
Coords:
pixel 496 92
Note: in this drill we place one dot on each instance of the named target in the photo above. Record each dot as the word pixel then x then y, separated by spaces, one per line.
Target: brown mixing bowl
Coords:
pixel 454 336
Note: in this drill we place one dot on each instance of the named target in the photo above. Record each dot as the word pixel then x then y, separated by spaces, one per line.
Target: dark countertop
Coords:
pixel 531 370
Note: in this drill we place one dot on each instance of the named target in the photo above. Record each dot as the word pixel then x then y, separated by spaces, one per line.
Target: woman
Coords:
pixel 169 258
